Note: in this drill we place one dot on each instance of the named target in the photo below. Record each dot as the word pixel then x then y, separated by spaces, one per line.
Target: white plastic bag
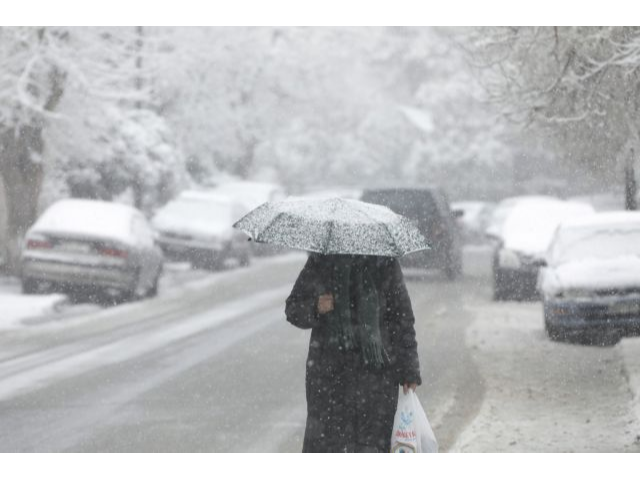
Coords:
pixel 412 432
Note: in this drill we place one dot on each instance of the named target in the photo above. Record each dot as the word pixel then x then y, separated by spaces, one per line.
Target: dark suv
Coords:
pixel 429 208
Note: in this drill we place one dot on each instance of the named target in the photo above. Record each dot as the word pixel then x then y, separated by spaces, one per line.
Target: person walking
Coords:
pixel 362 347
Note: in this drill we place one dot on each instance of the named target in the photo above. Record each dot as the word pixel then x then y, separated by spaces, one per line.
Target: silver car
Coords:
pixel 91 245
pixel 197 226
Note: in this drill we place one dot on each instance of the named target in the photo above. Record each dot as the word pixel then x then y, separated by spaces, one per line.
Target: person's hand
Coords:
pixel 325 303
pixel 407 386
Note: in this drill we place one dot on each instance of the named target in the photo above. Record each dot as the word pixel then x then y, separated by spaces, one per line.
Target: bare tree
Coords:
pixel 580 84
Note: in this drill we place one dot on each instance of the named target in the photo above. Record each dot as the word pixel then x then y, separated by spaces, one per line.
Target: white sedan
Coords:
pixel 91 245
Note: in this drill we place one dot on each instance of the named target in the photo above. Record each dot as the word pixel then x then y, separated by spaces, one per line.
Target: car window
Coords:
pixel 419 206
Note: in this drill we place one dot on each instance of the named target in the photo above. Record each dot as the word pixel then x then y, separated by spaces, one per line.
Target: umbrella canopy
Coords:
pixel 333 226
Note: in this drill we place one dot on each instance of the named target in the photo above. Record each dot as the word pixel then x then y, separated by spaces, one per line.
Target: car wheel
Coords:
pixel 245 259
pixel 30 286
pixel 553 332
pixel 213 264
pixel 500 292
pixel 153 291
pixel 453 266
pixel 134 293
pixel 451 272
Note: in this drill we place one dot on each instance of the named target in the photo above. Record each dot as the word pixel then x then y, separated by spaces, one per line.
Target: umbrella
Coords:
pixel 333 226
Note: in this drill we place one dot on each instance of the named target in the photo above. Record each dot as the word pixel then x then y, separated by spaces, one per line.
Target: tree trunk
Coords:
pixel 22 179
pixel 630 186
pixel 138 193
pixel 22 172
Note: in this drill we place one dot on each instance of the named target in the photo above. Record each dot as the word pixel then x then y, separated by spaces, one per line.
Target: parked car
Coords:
pixel 250 195
pixel 94 245
pixel 522 241
pixel 430 210
pixel 500 213
pixel 591 282
pixel 197 227
pixel 473 218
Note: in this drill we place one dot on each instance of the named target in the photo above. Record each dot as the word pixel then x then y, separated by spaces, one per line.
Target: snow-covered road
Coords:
pixel 211 365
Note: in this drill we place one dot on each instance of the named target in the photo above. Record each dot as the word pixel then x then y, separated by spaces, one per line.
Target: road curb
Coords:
pixel 630 348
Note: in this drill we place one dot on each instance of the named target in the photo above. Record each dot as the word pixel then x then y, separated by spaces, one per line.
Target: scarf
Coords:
pixel 348 271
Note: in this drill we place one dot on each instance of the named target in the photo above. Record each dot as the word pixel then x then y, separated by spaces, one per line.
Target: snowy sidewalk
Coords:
pixel 15 307
pixel 544 396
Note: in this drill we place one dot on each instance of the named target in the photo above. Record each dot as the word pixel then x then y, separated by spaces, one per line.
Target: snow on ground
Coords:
pixel 133 346
pixel 16 308
pixel 20 311
pixel 630 348
pixel 476 260
pixel 543 396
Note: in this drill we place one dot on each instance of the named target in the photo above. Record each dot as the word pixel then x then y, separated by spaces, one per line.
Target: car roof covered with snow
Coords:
pixel 88 218
pixel 504 207
pixel 252 194
pixel 603 220
pixel 205 196
pixel 529 226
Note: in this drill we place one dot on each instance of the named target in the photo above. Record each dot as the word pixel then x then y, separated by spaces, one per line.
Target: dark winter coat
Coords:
pixel 351 407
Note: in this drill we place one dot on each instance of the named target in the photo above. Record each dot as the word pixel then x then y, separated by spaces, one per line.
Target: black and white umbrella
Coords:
pixel 333 226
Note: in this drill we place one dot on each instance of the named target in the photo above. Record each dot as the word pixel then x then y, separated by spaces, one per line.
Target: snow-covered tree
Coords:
pixel 578 84
pixel 33 79
pixel 75 100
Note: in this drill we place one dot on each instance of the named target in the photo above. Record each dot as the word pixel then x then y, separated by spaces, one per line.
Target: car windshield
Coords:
pixel 581 244
pixel 414 205
pixel 529 227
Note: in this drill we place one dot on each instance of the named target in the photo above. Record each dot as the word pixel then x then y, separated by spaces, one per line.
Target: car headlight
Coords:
pixel 508 259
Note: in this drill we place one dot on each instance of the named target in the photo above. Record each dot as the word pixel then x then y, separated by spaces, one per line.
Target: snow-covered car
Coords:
pixel 501 211
pixel 473 218
pixel 91 245
pixel 338 192
pixel 250 195
pixel 591 281
pixel 522 242
pixel 197 226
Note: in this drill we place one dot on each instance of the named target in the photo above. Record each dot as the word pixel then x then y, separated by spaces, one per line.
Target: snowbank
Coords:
pixel 544 396
pixel 14 308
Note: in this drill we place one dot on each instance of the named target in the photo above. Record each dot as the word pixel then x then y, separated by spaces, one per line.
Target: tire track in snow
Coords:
pixel 40 370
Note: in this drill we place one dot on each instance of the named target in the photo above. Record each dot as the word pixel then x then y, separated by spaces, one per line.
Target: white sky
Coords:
pixel 326 12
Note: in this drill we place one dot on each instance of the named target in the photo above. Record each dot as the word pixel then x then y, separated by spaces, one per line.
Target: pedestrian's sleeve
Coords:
pixel 405 343
pixel 302 305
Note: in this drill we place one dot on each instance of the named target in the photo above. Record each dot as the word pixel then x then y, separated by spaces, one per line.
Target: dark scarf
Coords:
pixel 345 269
